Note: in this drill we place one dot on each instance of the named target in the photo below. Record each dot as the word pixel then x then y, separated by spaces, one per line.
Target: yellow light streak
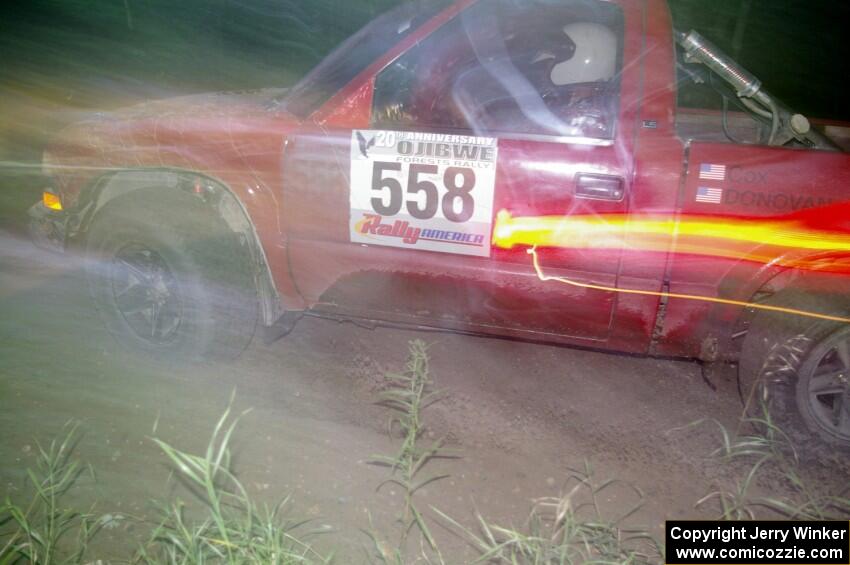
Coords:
pixel 717 237
pixel 544 277
pixel 653 234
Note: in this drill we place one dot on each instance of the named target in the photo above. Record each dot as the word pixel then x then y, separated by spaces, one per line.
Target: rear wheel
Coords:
pixel 823 387
pixel 170 280
pixel 799 369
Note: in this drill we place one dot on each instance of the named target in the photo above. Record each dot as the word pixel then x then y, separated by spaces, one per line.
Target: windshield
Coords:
pixel 357 53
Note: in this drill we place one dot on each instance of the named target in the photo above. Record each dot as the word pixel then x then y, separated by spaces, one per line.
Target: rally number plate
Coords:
pixel 423 191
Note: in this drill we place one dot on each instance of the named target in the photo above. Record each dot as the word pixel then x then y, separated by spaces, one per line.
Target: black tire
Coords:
pixel 784 363
pixel 171 282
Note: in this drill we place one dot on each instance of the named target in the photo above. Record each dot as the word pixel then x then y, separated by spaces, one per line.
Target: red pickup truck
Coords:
pixel 487 167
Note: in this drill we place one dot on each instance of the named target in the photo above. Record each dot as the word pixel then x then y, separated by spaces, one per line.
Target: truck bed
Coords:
pixel 707 125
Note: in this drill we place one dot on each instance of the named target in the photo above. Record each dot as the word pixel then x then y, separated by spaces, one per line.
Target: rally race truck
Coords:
pixel 502 168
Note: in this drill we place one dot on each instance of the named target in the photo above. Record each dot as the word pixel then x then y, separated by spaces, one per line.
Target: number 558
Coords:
pixel 458 181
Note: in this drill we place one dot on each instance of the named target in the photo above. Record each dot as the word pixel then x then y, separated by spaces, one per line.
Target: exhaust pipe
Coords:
pixel 786 125
pixel 700 50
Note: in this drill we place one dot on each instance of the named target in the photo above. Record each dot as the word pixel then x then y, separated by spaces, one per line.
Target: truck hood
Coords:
pixel 208 104
pixel 179 127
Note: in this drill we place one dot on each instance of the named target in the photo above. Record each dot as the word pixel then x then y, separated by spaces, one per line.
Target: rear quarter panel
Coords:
pixel 760 183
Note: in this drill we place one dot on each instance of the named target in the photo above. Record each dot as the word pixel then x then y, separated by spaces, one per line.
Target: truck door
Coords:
pixel 538 87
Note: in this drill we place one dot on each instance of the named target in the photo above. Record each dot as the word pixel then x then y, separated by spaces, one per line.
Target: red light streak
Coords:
pixel 783 242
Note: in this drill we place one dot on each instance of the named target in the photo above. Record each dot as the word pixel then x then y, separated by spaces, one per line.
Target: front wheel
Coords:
pixel 170 281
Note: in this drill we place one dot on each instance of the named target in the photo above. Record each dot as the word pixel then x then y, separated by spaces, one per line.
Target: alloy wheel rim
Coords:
pixel 146 294
pixel 829 387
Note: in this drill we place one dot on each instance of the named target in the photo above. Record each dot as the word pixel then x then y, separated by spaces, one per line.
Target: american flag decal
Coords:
pixel 709 171
pixel 709 195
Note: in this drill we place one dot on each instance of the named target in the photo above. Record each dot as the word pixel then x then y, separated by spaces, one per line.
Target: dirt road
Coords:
pixel 519 415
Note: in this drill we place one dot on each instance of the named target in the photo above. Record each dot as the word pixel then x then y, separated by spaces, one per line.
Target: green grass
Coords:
pixel 230 528
pixel 234 529
pixel 222 524
pixel 572 528
pixel 767 459
pixel 44 530
pixel 407 394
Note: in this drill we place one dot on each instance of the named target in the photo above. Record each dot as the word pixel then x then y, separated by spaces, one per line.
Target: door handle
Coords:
pixel 599 187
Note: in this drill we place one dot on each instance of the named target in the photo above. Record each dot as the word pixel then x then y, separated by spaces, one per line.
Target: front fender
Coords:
pixel 221 200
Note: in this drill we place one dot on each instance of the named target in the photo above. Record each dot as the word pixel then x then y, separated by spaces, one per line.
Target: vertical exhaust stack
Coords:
pixel 701 50
pixel 786 125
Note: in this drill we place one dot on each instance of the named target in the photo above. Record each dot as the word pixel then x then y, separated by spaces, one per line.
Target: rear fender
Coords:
pixel 826 274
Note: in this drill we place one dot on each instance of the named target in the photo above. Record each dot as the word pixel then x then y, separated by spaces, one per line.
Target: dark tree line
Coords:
pixel 142 48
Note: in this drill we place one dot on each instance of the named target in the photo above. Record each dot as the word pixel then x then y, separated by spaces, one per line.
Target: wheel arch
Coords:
pixel 220 200
pixel 825 274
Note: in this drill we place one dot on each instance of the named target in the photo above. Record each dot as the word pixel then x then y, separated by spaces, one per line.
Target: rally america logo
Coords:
pixel 373 224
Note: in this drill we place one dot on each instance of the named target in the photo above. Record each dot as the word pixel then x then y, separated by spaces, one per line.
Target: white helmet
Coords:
pixel 595 57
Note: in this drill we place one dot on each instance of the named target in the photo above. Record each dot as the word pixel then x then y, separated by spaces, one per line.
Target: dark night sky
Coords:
pixel 799 48
pixel 77 50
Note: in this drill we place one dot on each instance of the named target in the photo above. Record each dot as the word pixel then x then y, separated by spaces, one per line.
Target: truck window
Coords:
pixel 505 67
pixel 358 52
